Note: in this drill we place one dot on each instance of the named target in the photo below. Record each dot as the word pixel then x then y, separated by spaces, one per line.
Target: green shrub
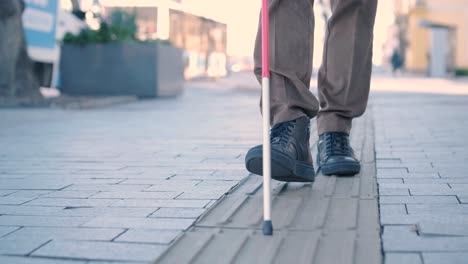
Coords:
pixel 461 72
pixel 121 27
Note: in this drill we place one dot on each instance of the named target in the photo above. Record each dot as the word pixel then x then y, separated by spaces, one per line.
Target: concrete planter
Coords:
pixel 139 69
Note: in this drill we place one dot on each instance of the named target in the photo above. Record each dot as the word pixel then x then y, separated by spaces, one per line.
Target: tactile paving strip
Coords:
pixel 333 220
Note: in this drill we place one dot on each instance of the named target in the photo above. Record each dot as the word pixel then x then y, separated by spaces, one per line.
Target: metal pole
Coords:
pixel 267 225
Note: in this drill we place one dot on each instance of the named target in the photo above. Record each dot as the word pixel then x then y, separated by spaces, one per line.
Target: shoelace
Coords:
pixel 281 133
pixel 337 144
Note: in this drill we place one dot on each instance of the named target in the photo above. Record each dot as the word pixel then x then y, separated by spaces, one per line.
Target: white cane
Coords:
pixel 267 224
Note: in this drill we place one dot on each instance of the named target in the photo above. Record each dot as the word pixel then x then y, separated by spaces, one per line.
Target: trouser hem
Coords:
pixel 331 122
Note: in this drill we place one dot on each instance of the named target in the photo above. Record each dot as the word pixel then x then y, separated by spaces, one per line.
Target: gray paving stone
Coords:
pixel 394 191
pixel 106 211
pixel 406 239
pixel 422 199
pixel 436 181
pixel 20 247
pixel 434 191
pixel 429 186
pixel 155 181
pixel 443 209
pixel 86 250
pixel 460 187
pixel 70 194
pixel 148 236
pixel 442 229
pixel 70 233
pixel 107 187
pixel 29 193
pixel 217 184
pixel 394 173
pixel 23 184
pixel 12 200
pixel 28 210
pixel 6 192
pixel 51 221
pixel 140 223
pixel 403 258
pixel 452 174
pixel 4 230
pixel 397 219
pixel 85 179
pixel 443 258
pixel 427 175
pixel 383 162
pixel 111 262
pixel 463 198
pixel 392 209
pixel 30 260
pixel 206 194
pixel 161 203
pixel 65 202
pixel 136 195
pixel 426 244
pixel 178 212
pixel 389 180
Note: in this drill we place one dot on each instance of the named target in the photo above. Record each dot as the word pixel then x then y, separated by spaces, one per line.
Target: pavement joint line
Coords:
pixel 38 247
pixel 120 234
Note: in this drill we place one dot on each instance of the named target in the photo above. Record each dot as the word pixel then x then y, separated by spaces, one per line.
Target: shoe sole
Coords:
pixel 340 169
pixel 283 168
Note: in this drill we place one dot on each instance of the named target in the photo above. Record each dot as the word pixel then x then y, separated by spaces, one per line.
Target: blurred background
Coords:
pixel 148 48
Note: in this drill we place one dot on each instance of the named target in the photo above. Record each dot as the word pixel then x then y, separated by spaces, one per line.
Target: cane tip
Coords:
pixel 267 228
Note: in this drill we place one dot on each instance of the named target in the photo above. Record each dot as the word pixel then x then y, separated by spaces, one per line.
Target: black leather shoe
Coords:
pixel 291 160
pixel 336 156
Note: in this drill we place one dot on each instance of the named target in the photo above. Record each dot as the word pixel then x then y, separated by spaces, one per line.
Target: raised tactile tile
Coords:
pixel 311 221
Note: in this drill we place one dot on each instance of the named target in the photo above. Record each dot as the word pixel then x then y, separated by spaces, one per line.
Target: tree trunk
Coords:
pixel 17 78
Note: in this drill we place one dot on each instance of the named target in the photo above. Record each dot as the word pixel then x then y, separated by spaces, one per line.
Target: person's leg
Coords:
pixel 291 50
pixel 344 77
pixel 344 81
pixel 292 104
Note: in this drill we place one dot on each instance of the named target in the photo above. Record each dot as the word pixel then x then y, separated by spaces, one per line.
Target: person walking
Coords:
pixel 343 87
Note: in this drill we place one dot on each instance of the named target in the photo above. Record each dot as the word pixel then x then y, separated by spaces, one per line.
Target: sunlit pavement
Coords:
pixel 123 183
pixel 422 171
pixel 421 166
pixel 117 183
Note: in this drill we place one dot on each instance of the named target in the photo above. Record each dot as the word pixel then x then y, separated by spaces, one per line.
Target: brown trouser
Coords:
pixel 344 77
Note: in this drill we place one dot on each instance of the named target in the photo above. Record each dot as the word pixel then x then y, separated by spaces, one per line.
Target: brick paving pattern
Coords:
pixel 132 183
pixel 118 183
pixel 422 170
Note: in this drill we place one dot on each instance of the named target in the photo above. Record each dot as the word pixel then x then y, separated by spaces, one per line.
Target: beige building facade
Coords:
pixel 419 18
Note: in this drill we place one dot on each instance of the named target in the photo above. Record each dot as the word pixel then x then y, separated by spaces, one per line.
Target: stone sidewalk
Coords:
pixel 131 183
pixel 311 221
pixel 422 170
pixel 118 183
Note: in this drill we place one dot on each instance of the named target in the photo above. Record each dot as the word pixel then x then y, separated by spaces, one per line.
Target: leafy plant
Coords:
pixel 121 27
pixel 461 72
